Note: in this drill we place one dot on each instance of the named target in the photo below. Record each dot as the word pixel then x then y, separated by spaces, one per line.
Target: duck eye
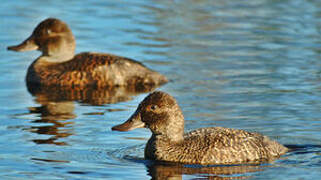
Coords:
pixel 153 107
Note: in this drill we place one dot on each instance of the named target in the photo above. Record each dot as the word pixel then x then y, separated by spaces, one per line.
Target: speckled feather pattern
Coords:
pixel 95 69
pixel 215 145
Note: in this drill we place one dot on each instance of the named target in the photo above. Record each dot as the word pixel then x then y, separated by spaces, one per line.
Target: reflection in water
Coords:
pixel 49 160
pixel 88 95
pixel 162 171
pixel 57 107
pixel 55 115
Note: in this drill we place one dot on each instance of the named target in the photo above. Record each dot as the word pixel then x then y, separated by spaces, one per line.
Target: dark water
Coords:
pixel 253 65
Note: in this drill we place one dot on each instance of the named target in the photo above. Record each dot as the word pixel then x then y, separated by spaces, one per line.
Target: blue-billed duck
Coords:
pixel 59 66
pixel 214 145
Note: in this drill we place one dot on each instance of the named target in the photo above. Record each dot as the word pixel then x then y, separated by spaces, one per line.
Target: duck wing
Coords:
pixel 102 70
pixel 226 145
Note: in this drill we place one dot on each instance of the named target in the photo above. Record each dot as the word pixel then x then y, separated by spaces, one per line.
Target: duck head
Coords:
pixel 160 113
pixel 52 37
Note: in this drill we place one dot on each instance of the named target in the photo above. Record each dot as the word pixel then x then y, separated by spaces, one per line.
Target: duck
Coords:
pixel 59 66
pixel 161 113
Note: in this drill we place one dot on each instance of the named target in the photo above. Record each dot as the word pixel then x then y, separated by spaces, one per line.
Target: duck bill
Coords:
pixel 27 45
pixel 133 122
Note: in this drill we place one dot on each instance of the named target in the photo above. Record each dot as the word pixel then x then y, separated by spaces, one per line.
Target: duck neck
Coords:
pixel 169 137
pixel 175 128
pixel 58 57
pixel 59 49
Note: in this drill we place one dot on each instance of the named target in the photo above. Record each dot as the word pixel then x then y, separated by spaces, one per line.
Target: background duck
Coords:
pixel 214 145
pixel 58 64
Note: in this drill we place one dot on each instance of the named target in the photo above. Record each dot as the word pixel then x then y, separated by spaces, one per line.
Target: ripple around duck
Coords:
pixel 92 157
pixel 303 155
pixel 156 169
pixel 128 154
pixel 309 155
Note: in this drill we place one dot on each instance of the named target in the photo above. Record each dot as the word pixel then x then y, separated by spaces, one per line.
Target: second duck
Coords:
pixel 59 66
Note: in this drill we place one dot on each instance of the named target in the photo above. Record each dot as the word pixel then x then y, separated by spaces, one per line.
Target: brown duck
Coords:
pixel 59 66
pixel 214 145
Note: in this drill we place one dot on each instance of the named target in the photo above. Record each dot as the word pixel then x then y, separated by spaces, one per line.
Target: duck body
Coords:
pixel 214 145
pixel 92 69
pixel 59 66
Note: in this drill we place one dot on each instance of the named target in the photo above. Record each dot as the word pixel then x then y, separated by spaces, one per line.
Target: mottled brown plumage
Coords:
pixel 59 66
pixel 215 145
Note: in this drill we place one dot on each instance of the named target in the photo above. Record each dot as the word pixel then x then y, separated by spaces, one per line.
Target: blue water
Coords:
pixel 253 65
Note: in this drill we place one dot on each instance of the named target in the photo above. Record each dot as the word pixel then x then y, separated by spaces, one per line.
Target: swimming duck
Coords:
pixel 214 145
pixel 59 66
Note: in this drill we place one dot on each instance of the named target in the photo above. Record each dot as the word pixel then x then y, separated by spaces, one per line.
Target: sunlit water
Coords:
pixel 253 65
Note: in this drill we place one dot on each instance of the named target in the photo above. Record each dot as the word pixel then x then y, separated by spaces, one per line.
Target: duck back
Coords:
pixel 93 69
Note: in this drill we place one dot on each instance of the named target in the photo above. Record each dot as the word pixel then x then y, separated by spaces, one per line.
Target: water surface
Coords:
pixel 253 65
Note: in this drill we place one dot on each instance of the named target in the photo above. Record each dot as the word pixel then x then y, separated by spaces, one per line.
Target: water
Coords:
pixel 252 65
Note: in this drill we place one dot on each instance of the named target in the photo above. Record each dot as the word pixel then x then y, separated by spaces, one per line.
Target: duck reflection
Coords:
pixel 58 103
pixel 56 115
pixel 171 171
pixel 87 95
